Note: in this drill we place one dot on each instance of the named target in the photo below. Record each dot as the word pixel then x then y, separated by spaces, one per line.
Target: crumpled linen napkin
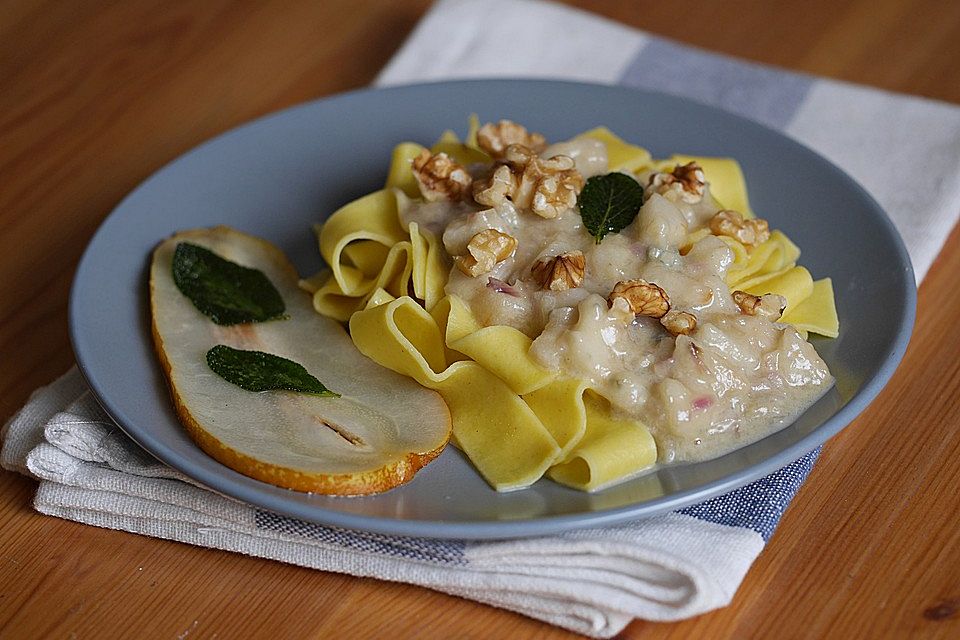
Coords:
pixel 590 581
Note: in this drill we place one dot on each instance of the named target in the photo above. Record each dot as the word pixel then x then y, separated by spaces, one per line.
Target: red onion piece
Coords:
pixel 502 287
pixel 703 402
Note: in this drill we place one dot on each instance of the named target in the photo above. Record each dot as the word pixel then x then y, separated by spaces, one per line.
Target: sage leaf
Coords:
pixel 259 371
pixel 223 290
pixel 608 203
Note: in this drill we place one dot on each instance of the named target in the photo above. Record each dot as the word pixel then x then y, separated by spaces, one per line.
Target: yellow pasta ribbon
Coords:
pixel 428 268
pixel 818 313
pixel 367 249
pixel 774 255
pixel 368 256
pixel 473 126
pixel 794 284
pixel 372 217
pixel 493 426
pixel 501 350
pixel 400 175
pixel 560 406
pixel 610 451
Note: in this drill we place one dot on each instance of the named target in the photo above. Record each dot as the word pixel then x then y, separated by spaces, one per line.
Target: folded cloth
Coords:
pixel 591 581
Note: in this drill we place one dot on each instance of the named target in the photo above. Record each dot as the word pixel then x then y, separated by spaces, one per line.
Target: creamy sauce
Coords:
pixel 733 380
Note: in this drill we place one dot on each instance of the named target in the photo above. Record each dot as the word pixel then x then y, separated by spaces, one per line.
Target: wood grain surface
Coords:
pixel 94 96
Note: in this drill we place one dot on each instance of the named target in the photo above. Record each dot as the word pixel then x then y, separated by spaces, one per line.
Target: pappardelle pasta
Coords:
pixel 586 312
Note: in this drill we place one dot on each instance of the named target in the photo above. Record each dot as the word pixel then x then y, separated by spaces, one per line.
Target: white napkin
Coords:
pixel 907 153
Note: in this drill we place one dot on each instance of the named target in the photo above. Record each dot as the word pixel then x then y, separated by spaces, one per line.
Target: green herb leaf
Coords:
pixel 225 291
pixel 609 203
pixel 259 371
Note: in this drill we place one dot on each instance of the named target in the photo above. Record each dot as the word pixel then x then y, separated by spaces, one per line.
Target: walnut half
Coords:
pixel 748 232
pixel 544 186
pixel 495 138
pixel 560 273
pixel 686 181
pixel 440 177
pixel 644 298
pixel 486 249
pixel 769 305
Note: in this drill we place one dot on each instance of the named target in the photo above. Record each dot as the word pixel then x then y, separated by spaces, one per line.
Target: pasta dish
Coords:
pixel 587 312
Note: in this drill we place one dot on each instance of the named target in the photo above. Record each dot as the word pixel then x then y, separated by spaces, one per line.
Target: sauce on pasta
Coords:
pixel 705 352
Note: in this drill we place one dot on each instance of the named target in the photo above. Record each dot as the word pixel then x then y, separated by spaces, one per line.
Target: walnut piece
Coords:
pixel 440 177
pixel 518 156
pixel 495 138
pixel 486 249
pixel 679 322
pixel 547 187
pixel 644 298
pixel 748 232
pixel 769 305
pixel 685 181
pixel 499 187
pixel 560 273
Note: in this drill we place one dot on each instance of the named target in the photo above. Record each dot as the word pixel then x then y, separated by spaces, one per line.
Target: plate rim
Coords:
pixel 540 525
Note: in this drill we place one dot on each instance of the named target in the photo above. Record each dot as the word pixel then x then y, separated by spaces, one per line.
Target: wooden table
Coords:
pixel 94 96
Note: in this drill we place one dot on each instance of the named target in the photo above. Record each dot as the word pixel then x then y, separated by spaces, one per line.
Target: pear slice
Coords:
pixel 377 435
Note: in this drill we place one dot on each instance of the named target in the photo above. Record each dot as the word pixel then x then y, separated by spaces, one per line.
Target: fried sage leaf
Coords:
pixel 608 203
pixel 259 371
pixel 223 290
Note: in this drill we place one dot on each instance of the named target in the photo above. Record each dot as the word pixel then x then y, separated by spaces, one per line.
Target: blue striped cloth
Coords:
pixel 760 504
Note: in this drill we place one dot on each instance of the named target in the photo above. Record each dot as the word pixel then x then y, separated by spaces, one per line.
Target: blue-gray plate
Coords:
pixel 277 176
